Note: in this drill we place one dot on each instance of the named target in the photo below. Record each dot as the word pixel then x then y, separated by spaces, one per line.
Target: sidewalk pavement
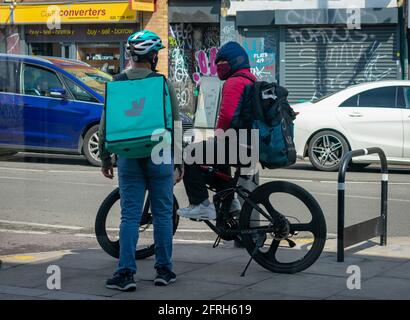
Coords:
pixel 207 273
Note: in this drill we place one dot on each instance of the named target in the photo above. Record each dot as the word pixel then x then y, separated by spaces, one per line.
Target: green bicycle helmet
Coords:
pixel 142 43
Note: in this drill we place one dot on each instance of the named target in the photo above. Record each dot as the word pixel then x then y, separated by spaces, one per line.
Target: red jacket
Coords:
pixel 231 95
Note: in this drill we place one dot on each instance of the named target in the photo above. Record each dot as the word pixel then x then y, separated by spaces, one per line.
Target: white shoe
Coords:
pixel 200 212
pixel 235 205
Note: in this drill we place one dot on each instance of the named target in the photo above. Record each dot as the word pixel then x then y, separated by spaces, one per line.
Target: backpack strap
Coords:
pixel 165 93
pixel 257 109
pixel 243 75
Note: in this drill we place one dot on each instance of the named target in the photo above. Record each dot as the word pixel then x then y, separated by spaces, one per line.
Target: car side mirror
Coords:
pixel 58 93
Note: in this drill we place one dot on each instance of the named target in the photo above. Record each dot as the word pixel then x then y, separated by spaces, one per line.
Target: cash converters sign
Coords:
pixel 74 13
pixel 4 15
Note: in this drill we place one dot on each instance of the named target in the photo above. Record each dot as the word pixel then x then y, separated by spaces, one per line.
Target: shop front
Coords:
pixel 93 32
pixel 314 51
pixel 194 39
pixel 263 51
pixel 99 45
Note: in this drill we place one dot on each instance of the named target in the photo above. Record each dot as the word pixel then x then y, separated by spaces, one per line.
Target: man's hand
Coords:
pixel 108 172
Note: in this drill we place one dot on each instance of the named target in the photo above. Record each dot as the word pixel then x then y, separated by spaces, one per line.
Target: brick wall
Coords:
pixel 158 23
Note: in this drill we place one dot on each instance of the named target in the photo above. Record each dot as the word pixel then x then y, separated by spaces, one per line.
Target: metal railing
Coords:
pixel 348 236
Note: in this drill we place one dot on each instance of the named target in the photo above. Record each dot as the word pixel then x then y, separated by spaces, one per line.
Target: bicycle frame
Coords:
pixel 223 212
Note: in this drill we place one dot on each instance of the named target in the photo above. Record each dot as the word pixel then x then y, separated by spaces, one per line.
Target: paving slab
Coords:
pixel 94 259
pixel 182 289
pixel 26 276
pixel 18 297
pixel 6 265
pixel 20 291
pixel 401 271
pixel 60 295
pixel 304 285
pixel 252 294
pixel 78 281
pixel 381 288
pixel 369 268
pixel 205 253
pixel 208 273
pixel 342 297
pixel 217 272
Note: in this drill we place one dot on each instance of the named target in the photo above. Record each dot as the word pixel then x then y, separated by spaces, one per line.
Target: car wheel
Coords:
pixel 90 146
pixel 326 150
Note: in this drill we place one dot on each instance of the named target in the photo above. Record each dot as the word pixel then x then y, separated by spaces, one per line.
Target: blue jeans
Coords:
pixel 135 176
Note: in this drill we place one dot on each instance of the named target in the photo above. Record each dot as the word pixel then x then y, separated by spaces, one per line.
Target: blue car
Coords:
pixel 51 105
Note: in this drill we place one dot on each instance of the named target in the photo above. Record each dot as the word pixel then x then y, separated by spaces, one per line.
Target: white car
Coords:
pixel 374 114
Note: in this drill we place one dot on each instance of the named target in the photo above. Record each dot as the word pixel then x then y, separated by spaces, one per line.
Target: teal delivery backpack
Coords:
pixel 137 113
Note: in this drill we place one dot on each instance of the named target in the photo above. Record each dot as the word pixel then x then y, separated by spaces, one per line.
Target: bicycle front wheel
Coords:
pixel 107 227
pixel 300 238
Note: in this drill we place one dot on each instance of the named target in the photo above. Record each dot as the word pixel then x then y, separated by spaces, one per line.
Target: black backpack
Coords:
pixel 264 106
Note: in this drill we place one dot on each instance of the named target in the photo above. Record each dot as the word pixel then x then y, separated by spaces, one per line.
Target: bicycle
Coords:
pixel 261 238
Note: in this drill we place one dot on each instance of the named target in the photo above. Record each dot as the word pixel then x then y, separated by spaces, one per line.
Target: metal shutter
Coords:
pixel 320 61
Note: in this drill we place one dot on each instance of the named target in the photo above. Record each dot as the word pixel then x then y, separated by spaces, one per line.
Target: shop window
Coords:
pixel 262 47
pixel 78 92
pixel 9 76
pixel 105 58
pixel 45 49
pixel 38 81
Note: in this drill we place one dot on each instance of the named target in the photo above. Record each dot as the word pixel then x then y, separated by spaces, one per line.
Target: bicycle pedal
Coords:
pixel 291 243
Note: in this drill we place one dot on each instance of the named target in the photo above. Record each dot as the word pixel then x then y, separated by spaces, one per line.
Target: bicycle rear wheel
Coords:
pixel 305 226
pixel 108 220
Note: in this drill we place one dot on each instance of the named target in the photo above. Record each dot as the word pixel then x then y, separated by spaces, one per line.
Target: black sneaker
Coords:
pixel 164 277
pixel 123 281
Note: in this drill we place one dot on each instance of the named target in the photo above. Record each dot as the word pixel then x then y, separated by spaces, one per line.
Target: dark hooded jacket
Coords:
pixel 235 85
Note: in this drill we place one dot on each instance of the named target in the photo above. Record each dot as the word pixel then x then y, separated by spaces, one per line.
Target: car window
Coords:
pixel 38 81
pixel 91 77
pixel 351 102
pixel 403 97
pixel 401 102
pixel 384 97
pixel 78 92
pixel 9 76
